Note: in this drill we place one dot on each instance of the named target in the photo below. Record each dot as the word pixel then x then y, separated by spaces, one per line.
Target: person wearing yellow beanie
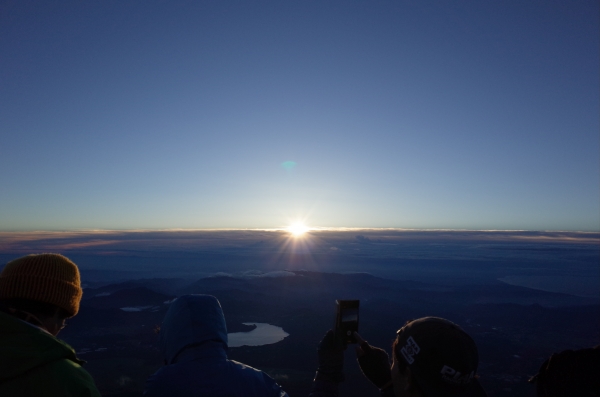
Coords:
pixel 37 294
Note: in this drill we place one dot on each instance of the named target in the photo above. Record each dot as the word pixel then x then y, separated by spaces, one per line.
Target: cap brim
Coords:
pixel 473 390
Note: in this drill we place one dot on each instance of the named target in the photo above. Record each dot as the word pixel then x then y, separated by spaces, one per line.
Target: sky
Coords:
pixel 238 114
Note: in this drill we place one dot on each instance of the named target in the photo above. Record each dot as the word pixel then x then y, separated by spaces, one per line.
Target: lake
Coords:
pixel 263 334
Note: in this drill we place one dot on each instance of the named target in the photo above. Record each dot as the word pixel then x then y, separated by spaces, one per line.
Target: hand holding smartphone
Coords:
pixel 346 319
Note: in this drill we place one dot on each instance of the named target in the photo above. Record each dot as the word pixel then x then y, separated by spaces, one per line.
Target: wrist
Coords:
pixel 329 376
pixel 386 386
pixel 389 392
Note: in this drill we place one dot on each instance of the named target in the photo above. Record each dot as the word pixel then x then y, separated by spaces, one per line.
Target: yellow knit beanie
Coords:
pixel 48 278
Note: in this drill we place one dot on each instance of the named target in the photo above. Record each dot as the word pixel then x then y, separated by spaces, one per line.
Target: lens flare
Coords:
pixel 297 229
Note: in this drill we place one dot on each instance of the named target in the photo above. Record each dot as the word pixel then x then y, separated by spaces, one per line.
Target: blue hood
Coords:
pixel 191 321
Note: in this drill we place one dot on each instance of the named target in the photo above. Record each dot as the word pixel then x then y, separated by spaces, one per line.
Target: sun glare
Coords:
pixel 297 229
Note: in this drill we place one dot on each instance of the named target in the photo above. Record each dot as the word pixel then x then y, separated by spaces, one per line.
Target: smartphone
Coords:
pixel 346 319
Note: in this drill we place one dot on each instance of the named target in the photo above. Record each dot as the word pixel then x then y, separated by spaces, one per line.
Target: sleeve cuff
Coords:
pixel 322 388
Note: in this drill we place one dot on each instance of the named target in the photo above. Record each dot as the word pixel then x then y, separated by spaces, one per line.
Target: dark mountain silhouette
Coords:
pixel 128 297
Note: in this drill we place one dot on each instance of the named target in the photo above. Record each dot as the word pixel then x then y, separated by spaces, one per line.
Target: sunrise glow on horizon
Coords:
pixel 297 229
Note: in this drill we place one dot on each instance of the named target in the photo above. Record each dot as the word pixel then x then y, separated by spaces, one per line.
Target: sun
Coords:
pixel 297 229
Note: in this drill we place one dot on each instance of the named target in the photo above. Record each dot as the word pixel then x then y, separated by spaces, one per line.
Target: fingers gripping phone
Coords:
pixel 346 319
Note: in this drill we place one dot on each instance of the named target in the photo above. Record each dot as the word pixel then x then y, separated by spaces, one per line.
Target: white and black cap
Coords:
pixel 441 356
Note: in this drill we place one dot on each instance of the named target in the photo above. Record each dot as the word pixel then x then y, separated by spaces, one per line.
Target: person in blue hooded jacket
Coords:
pixel 193 340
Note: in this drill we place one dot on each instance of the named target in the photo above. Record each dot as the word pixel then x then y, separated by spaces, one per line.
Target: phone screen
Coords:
pixel 350 315
pixel 346 319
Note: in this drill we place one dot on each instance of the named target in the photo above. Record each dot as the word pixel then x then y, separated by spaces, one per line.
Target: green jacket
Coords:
pixel 35 363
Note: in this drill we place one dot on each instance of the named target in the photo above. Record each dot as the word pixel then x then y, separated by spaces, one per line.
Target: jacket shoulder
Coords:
pixel 61 378
pixel 260 379
pixel 75 374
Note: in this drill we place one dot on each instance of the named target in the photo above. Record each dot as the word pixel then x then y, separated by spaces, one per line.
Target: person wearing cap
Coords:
pixel 570 373
pixel 193 341
pixel 38 293
pixel 431 357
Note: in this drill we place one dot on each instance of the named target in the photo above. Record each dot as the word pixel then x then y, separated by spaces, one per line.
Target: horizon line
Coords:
pixel 285 229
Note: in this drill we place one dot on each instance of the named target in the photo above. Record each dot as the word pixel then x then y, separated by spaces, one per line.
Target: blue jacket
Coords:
pixel 193 341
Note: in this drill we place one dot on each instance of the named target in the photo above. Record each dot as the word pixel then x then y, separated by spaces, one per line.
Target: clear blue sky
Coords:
pixel 249 114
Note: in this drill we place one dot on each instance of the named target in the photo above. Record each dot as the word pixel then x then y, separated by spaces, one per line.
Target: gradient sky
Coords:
pixel 251 114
